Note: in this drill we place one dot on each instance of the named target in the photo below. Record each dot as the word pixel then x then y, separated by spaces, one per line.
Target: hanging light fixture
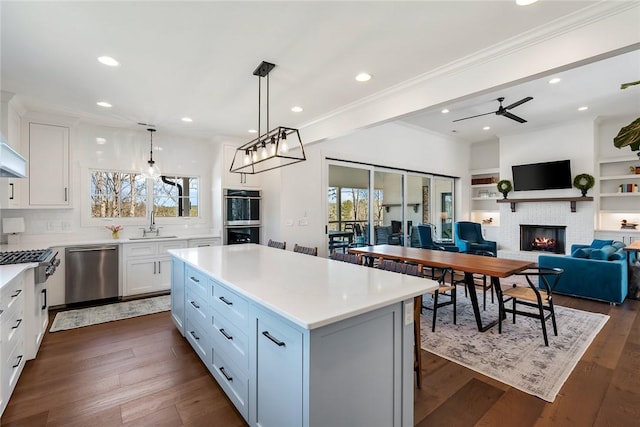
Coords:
pixel 151 171
pixel 280 146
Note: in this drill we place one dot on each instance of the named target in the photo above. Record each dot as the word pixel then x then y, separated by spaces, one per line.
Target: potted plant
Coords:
pixel 630 134
pixel 583 182
pixel 504 186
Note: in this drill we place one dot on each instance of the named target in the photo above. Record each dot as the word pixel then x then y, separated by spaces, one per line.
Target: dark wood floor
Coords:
pixel 141 372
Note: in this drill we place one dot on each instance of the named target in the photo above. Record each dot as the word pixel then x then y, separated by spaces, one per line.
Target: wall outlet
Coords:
pixel 50 225
pixel 66 225
pixel 289 223
pixel 303 222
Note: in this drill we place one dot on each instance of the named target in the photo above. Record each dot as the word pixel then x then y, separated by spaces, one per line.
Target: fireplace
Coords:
pixel 544 238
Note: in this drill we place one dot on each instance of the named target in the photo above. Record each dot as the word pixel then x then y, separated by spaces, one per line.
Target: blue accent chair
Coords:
pixel 468 237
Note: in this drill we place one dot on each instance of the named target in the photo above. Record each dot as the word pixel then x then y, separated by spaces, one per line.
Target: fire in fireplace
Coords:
pixel 547 238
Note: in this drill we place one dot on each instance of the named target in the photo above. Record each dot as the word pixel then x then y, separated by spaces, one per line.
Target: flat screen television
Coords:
pixel 542 176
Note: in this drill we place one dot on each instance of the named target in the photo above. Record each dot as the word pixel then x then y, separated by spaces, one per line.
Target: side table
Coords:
pixel 633 269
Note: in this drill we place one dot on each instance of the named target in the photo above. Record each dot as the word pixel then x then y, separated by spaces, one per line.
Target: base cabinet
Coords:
pixel 278 373
pixel 12 335
pixel 148 266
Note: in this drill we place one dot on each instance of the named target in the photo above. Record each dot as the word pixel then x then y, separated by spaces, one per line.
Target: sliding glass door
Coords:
pixel 372 205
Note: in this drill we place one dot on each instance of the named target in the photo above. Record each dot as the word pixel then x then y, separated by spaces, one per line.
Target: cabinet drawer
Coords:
pixel 200 243
pixel 197 309
pixel 13 324
pixel 12 293
pixel 12 367
pixel 197 283
pixel 140 249
pixel 232 342
pixel 233 382
pixel 197 337
pixel 163 247
pixel 231 305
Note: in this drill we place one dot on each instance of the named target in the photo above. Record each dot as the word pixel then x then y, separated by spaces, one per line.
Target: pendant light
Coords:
pixel 152 171
pixel 280 146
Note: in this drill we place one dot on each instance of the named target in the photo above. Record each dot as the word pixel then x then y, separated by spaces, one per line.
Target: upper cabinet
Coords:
pixel 11 127
pixel 48 166
pixel 236 180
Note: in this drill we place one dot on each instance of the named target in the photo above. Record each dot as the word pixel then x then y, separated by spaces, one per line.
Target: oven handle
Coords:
pixel 101 248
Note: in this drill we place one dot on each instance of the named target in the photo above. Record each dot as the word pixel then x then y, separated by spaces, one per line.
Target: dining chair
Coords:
pixel 305 250
pixel 350 258
pixel 480 280
pixel 412 270
pixel 541 282
pixel 277 245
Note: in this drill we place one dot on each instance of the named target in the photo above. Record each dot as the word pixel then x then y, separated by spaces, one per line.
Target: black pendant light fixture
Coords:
pixel 280 146
pixel 152 171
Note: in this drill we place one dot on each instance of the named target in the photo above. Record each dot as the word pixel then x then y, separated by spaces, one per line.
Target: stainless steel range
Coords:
pixel 46 259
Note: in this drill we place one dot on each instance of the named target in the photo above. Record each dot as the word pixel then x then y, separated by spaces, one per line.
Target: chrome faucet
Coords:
pixel 152 227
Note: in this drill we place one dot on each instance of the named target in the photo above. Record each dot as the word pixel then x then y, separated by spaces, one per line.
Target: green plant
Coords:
pixel 630 134
pixel 504 186
pixel 583 182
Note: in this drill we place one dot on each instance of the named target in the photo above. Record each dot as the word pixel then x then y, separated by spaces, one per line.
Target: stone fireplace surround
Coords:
pixel 580 226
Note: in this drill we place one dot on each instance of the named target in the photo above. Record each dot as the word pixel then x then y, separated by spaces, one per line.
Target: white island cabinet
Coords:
pixel 297 340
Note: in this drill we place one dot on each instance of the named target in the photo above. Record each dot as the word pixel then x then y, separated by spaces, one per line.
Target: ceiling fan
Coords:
pixel 503 111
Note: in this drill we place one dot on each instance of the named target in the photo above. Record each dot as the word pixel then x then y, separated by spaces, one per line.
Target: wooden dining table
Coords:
pixel 495 268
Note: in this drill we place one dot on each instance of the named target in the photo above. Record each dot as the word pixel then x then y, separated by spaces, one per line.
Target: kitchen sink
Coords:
pixel 152 237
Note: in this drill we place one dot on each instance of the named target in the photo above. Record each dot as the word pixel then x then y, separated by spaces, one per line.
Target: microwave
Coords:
pixel 242 207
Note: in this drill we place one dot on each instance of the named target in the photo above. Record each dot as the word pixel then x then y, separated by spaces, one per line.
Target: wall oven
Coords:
pixel 242 207
pixel 242 216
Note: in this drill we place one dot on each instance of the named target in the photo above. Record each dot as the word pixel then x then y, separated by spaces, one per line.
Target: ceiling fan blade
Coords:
pixel 471 117
pixel 513 117
pixel 515 104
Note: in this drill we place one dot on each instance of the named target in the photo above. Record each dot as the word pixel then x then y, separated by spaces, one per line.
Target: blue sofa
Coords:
pixel 597 271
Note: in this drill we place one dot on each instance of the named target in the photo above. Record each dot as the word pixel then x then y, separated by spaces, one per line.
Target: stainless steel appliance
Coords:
pixel 91 273
pixel 242 216
pixel 46 259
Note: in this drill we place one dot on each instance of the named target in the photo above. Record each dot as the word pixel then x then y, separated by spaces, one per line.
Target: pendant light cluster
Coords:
pixel 152 171
pixel 280 146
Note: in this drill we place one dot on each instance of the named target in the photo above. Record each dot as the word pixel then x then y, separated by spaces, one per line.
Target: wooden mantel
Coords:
pixel 571 200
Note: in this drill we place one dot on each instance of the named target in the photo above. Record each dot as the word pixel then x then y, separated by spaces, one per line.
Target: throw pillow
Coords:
pixel 598 244
pixel 582 253
pixel 617 244
pixel 617 256
pixel 604 253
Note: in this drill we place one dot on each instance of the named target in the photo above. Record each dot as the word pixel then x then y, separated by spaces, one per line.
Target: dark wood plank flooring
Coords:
pixel 141 372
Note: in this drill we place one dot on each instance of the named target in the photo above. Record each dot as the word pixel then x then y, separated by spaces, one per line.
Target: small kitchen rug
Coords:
pixel 108 313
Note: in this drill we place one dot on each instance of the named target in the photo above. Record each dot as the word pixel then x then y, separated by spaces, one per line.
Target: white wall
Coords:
pixel 302 190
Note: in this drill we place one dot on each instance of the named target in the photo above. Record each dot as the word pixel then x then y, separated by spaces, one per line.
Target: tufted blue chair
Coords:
pixel 468 237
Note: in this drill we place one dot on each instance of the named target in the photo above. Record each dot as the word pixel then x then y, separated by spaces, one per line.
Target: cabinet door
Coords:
pixel 177 294
pixel 140 276
pixel 163 274
pixel 48 165
pixel 279 374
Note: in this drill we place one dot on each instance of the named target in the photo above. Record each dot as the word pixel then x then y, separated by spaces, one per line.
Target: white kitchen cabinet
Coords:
pixel 148 266
pixel 36 313
pixel 10 188
pixel 200 243
pixel 48 166
pixel 624 236
pixel 236 180
pixel 12 335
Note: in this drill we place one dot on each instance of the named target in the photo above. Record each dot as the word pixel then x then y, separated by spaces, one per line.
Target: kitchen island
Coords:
pixel 297 340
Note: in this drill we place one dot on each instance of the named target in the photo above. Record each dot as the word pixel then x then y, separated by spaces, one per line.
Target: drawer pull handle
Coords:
pixel 226 301
pixel 230 379
pixel 274 339
pixel 18 292
pixel 194 279
pixel 193 303
pixel 17 324
pixel 226 335
pixel 193 334
pixel 18 362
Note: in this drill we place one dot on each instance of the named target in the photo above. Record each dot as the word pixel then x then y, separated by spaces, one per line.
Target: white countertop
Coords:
pixel 9 272
pixel 309 291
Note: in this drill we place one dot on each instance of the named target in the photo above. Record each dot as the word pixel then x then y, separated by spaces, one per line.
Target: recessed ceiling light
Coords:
pixel 296 109
pixel 585 108
pixel 107 60
pixel 101 141
pixel 554 80
pixel 104 104
pixel 253 131
pixel 486 128
pixel 363 77
pixel 187 119
pixel 445 111
pixel 525 2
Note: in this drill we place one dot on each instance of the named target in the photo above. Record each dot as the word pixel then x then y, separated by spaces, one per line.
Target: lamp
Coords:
pixel 13 226
pixel 152 171
pixel 280 146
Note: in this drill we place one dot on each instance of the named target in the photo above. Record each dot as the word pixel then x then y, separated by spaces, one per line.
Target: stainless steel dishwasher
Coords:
pixel 91 273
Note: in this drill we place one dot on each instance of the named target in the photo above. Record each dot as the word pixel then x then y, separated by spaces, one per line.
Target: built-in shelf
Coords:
pixel 390 205
pixel 571 200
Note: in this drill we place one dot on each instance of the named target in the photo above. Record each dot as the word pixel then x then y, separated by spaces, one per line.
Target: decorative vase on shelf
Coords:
pixel 115 234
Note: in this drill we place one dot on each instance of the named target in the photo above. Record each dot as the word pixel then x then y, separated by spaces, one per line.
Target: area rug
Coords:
pixel 107 313
pixel 518 356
